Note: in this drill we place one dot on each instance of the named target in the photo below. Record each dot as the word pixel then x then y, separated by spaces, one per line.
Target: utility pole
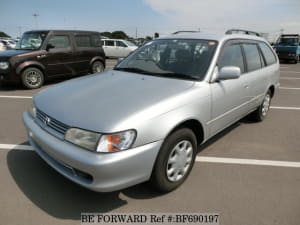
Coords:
pixel 20 31
pixel 136 31
pixel 281 30
pixel 35 15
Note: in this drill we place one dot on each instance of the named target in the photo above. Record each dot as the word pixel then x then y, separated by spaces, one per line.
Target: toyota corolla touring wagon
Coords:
pixel 143 120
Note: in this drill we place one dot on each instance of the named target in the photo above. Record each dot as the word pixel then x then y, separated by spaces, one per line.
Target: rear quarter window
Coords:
pixel 268 53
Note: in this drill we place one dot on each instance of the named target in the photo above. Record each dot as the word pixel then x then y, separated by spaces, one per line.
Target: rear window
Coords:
pixel 252 57
pixel 268 53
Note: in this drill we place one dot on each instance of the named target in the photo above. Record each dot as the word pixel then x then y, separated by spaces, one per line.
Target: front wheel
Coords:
pixel 261 112
pixel 97 67
pixel 32 78
pixel 175 160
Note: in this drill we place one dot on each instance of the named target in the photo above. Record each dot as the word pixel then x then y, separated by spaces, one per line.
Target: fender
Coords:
pixel 98 58
pixel 25 64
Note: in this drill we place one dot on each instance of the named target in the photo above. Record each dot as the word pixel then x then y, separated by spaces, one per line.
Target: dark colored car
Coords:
pixel 288 47
pixel 44 54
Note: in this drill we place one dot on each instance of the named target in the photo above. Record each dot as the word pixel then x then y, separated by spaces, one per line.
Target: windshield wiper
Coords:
pixel 178 75
pixel 132 69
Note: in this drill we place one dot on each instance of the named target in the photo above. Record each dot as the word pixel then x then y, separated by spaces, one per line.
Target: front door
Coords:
pixel 230 98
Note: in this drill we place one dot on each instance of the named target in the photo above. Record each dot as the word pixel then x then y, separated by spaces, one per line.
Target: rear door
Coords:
pixel 110 48
pixel 229 98
pixel 257 76
pixel 87 47
pixel 57 59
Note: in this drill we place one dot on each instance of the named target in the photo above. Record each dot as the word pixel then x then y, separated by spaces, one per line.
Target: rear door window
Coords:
pixel 110 43
pixel 83 41
pixel 232 56
pixel 253 57
pixel 268 53
pixel 59 41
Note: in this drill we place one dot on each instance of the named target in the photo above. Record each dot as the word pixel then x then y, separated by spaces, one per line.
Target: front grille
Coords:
pixel 51 122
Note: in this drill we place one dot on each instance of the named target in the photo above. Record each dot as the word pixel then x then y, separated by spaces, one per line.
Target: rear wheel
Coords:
pixel 175 160
pixel 97 67
pixel 261 112
pixel 32 78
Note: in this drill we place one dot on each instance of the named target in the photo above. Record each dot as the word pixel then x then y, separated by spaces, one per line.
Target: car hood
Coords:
pixel 286 48
pixel 9 53
pixel 103 102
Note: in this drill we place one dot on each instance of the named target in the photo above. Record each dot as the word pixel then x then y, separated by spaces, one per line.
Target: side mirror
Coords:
pixel 49 46
pixel 228 73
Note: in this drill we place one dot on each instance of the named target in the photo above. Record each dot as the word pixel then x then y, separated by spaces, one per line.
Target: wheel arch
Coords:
pixel 28 64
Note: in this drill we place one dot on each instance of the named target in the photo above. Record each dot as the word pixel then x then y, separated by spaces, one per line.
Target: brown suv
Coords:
pixel 44 54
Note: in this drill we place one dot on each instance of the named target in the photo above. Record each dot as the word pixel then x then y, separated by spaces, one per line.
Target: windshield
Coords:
pixel 129 43
pixel 177 58
pixel 288 41
pixel 32 40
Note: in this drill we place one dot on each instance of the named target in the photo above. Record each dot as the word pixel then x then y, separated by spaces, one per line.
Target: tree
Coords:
pixel 2 34
pixel 148 38
pixel 119 34
pixel 106 34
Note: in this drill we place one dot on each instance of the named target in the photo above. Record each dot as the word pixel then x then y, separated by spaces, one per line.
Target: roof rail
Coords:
pixel 286 35
pixel 231 31
pixel 185 31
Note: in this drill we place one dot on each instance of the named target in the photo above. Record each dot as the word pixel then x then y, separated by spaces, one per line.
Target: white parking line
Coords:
pixel 290 78
pixel 16 147
pixel 289 88
pixel 289 71
pixel 12 96
pixel 247 161
pixel 199 158
pixel 286 108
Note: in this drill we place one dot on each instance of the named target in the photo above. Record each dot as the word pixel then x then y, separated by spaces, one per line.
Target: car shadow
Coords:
pixel 60 197
pixel 64 199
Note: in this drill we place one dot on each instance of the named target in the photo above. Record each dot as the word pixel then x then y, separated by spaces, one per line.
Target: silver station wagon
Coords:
pixel 143 120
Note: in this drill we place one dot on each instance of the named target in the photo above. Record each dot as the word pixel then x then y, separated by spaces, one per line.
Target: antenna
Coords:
pixel 35 15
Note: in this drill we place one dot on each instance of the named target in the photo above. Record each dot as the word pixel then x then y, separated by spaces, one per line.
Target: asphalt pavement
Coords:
pixel 249 173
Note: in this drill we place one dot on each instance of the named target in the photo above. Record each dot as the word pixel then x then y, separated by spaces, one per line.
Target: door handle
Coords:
pixel 246 86
pixel 41 56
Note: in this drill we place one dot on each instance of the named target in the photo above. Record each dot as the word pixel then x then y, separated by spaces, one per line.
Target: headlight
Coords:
pixel 83 138
pixel 116 142
pixel 101 143
pixel 4 65
pixel 32 110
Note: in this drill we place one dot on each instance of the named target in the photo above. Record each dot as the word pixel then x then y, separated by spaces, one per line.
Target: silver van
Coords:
pixel 143 120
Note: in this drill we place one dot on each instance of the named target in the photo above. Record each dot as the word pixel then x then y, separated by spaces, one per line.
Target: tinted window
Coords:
pixel 110 43
pixel 252 57
pixel 60 41
pixel 121 44
pixel 83 41
pixel 96 41
pixel 232 56
pixel 268 54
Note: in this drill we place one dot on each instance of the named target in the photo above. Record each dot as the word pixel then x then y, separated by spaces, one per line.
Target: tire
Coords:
pixel 175 160
pixel 32 78
pixel 261 112
pixel 97 67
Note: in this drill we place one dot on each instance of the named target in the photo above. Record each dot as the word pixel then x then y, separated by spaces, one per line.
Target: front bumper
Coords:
pixel 103 172
pixel 285 55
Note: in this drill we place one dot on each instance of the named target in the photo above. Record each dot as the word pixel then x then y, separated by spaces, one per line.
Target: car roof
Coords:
pixel 69 31
pixel 215 37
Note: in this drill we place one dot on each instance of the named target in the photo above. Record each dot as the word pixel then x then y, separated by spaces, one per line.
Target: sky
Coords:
pixel 145 17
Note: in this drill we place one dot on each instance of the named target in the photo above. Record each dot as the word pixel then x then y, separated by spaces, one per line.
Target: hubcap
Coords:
pixel 179 161
pixel 97 68
pixel 266 105
pixel 33 78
